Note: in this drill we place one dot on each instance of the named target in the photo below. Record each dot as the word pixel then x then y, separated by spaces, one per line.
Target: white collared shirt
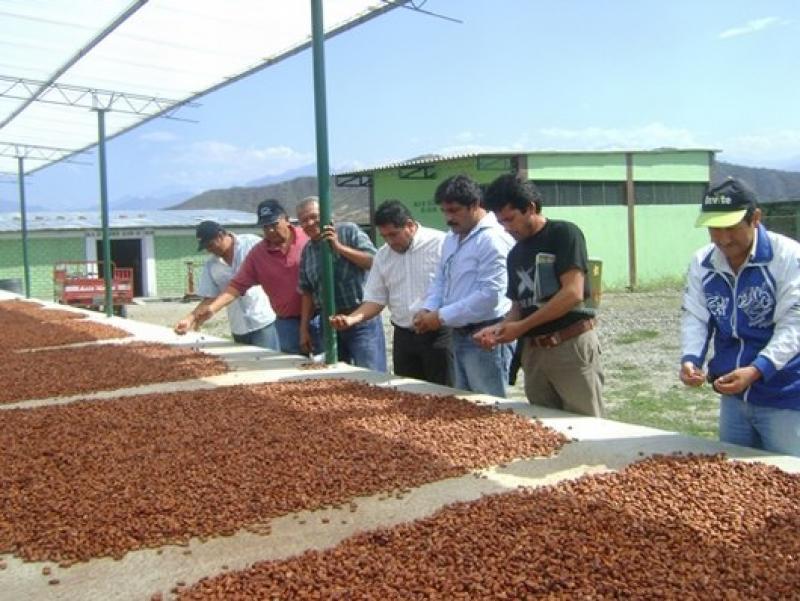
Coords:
pixel 251 311
pixel 400 280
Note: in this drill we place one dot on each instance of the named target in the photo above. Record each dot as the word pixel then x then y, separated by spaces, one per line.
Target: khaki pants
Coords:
pixel 567 377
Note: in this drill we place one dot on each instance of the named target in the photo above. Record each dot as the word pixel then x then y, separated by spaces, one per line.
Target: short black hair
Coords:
pixel 510 189
pixel 392 212
pixel 460 189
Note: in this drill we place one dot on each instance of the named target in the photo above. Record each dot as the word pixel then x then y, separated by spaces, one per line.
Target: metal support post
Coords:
pixel 323 176
pixel 101 154
pixel 23 213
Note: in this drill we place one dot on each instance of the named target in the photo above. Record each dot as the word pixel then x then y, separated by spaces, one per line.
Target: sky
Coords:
pixel 512 75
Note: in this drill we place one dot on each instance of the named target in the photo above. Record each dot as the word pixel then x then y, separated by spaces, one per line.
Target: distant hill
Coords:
pixel 349 204
pixel 352 204
pixel 771 185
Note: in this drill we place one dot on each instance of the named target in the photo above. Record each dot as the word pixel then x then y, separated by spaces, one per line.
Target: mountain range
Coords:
pixel 352 204
pixel 349 204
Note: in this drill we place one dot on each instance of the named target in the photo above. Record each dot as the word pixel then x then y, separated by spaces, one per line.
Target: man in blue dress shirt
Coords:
pixel 468 291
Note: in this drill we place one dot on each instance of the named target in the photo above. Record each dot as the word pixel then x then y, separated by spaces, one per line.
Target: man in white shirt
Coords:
pixel 251 317
pixel 401 271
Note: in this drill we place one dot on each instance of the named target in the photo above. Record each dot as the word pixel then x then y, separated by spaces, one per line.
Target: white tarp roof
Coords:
pixel 169 49
pixel 84 220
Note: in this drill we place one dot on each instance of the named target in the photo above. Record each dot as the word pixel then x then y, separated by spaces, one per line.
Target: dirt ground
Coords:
pixel 640 336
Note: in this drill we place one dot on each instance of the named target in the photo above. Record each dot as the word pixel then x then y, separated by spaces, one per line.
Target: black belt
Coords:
pixel 471 328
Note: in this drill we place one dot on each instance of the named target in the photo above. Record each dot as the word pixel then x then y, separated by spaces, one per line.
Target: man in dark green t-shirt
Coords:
pixel 548 287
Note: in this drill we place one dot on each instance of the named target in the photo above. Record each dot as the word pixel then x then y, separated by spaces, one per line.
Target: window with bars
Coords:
pixel 494 163
pixel 668 193
pixel 589 193
pixel 570 193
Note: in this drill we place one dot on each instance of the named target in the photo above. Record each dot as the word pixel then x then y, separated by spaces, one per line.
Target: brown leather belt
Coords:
pixel 555 338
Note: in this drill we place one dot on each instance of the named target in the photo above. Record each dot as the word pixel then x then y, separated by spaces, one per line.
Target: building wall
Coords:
pixel 665 232
pixel 172 251
pixel 665 240
pixel 417 194
pixel 606 232
pixel 43 251
pixel 578 166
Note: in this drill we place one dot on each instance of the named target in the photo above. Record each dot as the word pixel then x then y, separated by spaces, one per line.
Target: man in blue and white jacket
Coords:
pixel 744 290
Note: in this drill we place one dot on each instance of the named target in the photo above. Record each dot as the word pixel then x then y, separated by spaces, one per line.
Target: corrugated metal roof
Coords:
pixel 429 159
pixel 55 221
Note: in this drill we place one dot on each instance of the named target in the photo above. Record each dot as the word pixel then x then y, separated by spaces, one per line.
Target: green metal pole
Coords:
pixel 101 154
pixel 23 213
pixel 323 174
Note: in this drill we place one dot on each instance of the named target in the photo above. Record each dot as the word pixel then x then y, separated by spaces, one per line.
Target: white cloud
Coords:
pixel 762 148
pixel 158 136
pixel 751 27
pixel 211 163
pixel 651 135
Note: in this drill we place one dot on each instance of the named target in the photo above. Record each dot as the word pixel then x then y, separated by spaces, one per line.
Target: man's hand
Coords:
pixel 501 333
pixel 737 381
pixel 329 234
pixel 184 325
pixel 306 344
pixel 507 331
pixel 485 338
pixel 427 321
pixel 691 375
pixel 342 322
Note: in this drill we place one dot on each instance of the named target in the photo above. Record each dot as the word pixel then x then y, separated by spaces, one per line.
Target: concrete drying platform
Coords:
pixel 598 446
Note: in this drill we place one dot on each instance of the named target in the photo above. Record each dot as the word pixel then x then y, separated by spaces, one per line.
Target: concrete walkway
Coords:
pixel 598 446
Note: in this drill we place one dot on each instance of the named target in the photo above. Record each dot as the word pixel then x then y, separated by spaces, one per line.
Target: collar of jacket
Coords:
pixel 761 253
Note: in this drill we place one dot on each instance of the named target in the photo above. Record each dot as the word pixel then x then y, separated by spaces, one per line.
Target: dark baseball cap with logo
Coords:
pixel 269 211
pixel 726 204
pixel 206 231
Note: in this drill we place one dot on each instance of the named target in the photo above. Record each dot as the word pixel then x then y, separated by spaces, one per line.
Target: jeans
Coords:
pixel 266 337
pixel 364 345
pixel 477 369
pixel 759 427
pixel 289 334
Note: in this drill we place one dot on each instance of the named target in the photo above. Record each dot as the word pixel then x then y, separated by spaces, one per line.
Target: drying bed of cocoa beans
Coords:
pixel 28 325
pixel 100 478
pixel 664 528
pixel 69 371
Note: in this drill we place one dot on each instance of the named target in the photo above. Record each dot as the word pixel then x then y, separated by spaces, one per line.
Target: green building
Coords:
pixel 637 208
pixel 160 246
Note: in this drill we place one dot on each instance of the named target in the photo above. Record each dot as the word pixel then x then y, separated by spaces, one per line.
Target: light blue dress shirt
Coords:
pixel 471 280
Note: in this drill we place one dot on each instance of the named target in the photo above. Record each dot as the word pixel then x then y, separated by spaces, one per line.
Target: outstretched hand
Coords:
pixel 184 325
pixel 691 375
pixel 341 322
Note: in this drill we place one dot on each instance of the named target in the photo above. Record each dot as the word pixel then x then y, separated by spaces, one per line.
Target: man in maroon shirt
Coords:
pixel 274 264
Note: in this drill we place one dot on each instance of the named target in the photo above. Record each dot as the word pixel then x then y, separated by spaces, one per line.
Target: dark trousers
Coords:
pixel 423 356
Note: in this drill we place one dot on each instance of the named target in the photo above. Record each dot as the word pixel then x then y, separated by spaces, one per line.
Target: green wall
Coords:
pixel 666 238
pixel 172 252
pixel 42 254
pixel 606 232
pixel 417 194
pixel 686 166
pixel 665 234
pixel 571 167
pixel 671 167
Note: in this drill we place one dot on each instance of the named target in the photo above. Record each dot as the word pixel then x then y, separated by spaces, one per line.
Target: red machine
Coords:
pixel 81 284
